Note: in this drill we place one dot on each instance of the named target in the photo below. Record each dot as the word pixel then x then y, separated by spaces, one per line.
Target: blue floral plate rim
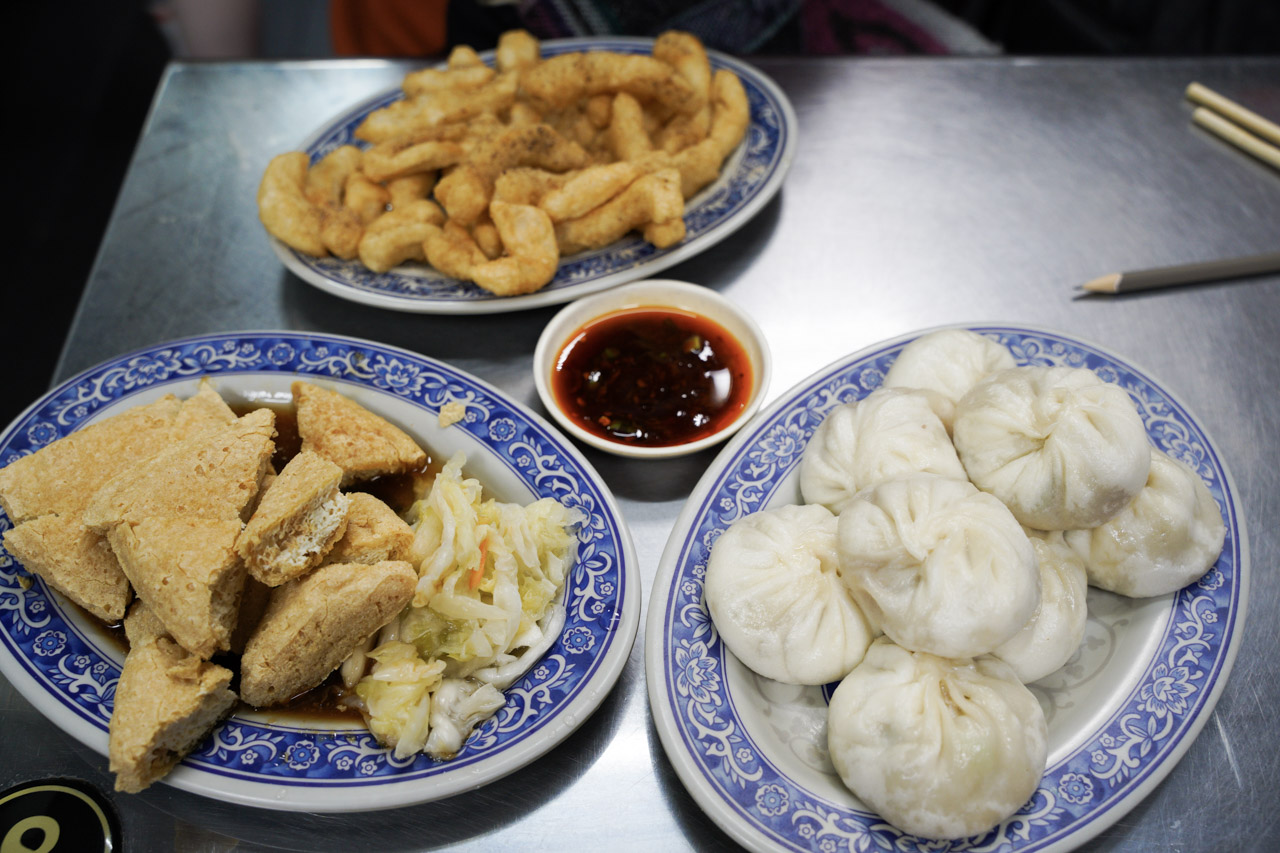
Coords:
pixel 66 664
pixel 1096 774
pixel 750 179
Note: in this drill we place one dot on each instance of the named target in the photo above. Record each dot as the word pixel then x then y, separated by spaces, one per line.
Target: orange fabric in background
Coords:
pixel 403 28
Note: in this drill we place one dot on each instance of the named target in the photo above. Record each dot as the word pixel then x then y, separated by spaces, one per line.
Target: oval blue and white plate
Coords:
pixel 67 664
pixel 1121 712
pixel 749 178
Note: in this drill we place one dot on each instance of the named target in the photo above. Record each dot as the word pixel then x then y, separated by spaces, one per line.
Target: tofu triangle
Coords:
pixel 214 474
pixel 362 444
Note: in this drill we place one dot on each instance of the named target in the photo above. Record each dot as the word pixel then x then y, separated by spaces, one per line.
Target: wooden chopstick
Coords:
pixel 1127 282
pixel 1242 139
pixel 1247 119
pixel 1233 123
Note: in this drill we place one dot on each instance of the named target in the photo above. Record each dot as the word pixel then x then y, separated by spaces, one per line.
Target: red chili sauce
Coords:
pixel 652 377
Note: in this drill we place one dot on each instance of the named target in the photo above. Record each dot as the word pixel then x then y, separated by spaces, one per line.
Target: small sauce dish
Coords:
pixel 652 369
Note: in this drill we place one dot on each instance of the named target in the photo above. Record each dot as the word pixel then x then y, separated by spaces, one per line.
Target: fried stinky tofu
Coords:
pixel 214 474
pixel 361 443
pixel 203 410
pixel 374 533
pixel 45 494
pixel 173 521
pixel 187 571
pixel 166 701
pixel 297 521
pixel 76 561
pixel 61 477
pixel 314 623
pixel 142 625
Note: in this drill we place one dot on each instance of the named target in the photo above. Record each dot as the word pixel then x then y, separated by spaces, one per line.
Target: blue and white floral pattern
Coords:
pixel 44 646
pixel 751 177
pixel 1092 786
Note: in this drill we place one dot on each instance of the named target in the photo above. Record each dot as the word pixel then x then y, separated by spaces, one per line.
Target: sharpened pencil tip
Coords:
pixel 1103 284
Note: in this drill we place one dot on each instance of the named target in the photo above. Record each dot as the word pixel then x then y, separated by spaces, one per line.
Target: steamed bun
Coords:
pixel 938 565
pixel 940 748
pixel 1060 447
pixel 1167 537
pixel 891 431
pixel 774 591
pixel 946 364
pixel 1052 635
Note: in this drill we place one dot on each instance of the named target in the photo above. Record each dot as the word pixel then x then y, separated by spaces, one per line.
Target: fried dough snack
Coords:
pixel 492 174
pixel 284 208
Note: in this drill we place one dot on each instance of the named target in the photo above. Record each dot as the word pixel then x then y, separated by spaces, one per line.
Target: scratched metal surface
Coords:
pixel 924 192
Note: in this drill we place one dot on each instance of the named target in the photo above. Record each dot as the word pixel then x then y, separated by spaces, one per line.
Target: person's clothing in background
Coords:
pixel 1125 27
pixel 388 27
pixel 813 27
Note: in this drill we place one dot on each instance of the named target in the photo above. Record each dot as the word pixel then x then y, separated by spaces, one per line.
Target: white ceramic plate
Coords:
pixel 748 180
pixel 67 665
pixel 1121 712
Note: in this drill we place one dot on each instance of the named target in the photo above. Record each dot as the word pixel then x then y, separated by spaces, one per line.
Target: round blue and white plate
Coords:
pixel 748 179
pixel 67 664
pixel 1121 712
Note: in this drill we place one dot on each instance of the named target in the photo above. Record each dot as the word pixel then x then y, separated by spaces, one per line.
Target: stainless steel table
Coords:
pixel 924 192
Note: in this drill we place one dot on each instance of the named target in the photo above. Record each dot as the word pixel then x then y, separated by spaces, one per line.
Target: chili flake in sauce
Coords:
pixel 652 377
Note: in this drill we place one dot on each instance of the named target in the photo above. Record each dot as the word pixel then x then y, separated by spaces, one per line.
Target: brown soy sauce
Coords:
pixel 328 702
pixel 652 377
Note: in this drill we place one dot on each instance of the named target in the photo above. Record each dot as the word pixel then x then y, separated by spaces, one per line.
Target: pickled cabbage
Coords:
pixel 487 605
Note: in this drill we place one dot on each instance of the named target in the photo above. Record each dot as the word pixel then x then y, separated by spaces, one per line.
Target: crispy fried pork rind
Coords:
pixel 397 237
pixel 410 188
pixel 650 199
pixel 284 208
pixel 588 189
pixel 453 250
pixel 388 160
pixel 530 241
pixel 517 51
pixel 429 81
pixel 575 150
pixel 327 178
pixel 627 135
pixel 563 79
pixel 369 199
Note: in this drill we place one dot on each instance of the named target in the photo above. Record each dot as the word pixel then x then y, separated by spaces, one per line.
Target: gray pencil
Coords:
pixel 1126 282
